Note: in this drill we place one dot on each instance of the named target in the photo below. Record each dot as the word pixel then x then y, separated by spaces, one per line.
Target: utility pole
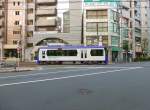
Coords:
pixel 18 53
pixel 97 32
pixel 1 47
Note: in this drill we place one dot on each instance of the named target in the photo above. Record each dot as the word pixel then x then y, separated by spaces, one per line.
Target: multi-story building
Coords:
pixel 15 22
pixel 116 24
pixel 41 24
pixel 136 27
pixel 101 25
pixel 66 22
pixel 1 18
pixel 125 31
pixel 145 14
pixel 34 23
pixel 2 25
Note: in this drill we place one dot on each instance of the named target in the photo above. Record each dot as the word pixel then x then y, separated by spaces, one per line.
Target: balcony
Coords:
pixel 1 13
pixel 1 23
pixel 125 14
pixel 43 12
pixel 46 22
pixel 46 2
pixel 1 3
pixel 0 33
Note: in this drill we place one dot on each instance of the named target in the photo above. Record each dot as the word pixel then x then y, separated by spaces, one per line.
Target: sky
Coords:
pixel 63 5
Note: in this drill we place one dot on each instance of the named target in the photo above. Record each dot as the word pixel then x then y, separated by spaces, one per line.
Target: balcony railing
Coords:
pixel 1 23
pixel 46 1
pixel 1 3
pixel 0 33
pixel 42 12
pixel 46 22
pixel 1 12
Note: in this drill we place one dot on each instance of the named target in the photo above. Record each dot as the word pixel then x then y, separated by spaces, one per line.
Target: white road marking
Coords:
pixel 99 67
pixel 67 77
pixel 79 69
pixel 36 74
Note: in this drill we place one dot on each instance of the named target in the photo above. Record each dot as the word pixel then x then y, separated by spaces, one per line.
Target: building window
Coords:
pixel 96 14
pixel 29 44
pixel 146 22
pixel 146 30
pixel 29 1
pixel 30 10
pixel 16 32
pixel 94 27
pixel 30 22
pixel 30 34
pixel 17 12
pixel 18 3
pixel 14 3
pixel 15 42
pixel 16 23
pixel 114 41
pixel 145 14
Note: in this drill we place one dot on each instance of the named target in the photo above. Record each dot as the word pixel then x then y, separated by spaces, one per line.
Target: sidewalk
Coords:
pixel 24 66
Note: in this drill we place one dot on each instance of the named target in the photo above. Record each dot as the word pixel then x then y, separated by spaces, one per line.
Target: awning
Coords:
pixel 116 49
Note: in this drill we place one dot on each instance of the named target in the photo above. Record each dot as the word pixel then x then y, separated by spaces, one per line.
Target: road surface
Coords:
pixel 78 87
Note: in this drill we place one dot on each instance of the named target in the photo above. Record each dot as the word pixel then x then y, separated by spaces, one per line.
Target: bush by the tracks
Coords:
pixel 142 59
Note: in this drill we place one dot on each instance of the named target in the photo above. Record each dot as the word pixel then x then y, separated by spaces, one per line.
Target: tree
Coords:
pixel 145 46
pixel 125 46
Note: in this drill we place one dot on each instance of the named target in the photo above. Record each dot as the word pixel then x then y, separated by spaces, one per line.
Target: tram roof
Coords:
pixel 70 46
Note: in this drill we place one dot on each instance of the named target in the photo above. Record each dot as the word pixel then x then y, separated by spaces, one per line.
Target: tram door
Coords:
pixel 83 54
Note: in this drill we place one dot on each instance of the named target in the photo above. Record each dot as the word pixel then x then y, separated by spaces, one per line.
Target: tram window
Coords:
pixel 69 52
pixel 97 52
pixel 43 52
pixel 85 54
pixel 81 54
pixel 62 53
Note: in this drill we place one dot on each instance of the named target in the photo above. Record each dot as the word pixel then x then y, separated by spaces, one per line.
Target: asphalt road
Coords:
pixel 78 87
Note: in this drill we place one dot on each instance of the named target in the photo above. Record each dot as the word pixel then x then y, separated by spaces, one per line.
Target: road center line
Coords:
pixel 67 77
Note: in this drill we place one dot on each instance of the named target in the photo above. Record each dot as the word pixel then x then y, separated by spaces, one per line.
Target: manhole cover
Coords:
pixel 85 91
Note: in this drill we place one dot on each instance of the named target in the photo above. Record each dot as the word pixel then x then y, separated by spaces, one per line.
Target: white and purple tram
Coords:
pixel 71 53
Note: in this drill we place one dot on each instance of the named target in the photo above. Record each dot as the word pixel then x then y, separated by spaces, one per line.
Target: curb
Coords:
pixel 21 69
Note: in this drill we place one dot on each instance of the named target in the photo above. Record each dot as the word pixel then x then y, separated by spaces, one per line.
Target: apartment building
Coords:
pixel 2 25
pixel 101 25
pixel 125 31
pixel 1 18
pixel 66 22
pixel 34 23
pixel 145 23
pixel 136 27
pixel 15 22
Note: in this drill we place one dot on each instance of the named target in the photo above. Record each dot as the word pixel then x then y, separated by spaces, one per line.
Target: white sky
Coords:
pixel 63 5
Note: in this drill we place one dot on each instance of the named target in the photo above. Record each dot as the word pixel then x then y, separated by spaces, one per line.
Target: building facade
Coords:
pixel 136 27
pixel 117 24
pixel 34 23
pixel 145 14
pixel 101 25
pixel 15 33
pixel 2 25
pixel 66 22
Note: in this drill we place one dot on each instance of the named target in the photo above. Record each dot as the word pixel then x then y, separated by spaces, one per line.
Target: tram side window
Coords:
pixel 97 52
pixel 62 53
pixel 70 52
